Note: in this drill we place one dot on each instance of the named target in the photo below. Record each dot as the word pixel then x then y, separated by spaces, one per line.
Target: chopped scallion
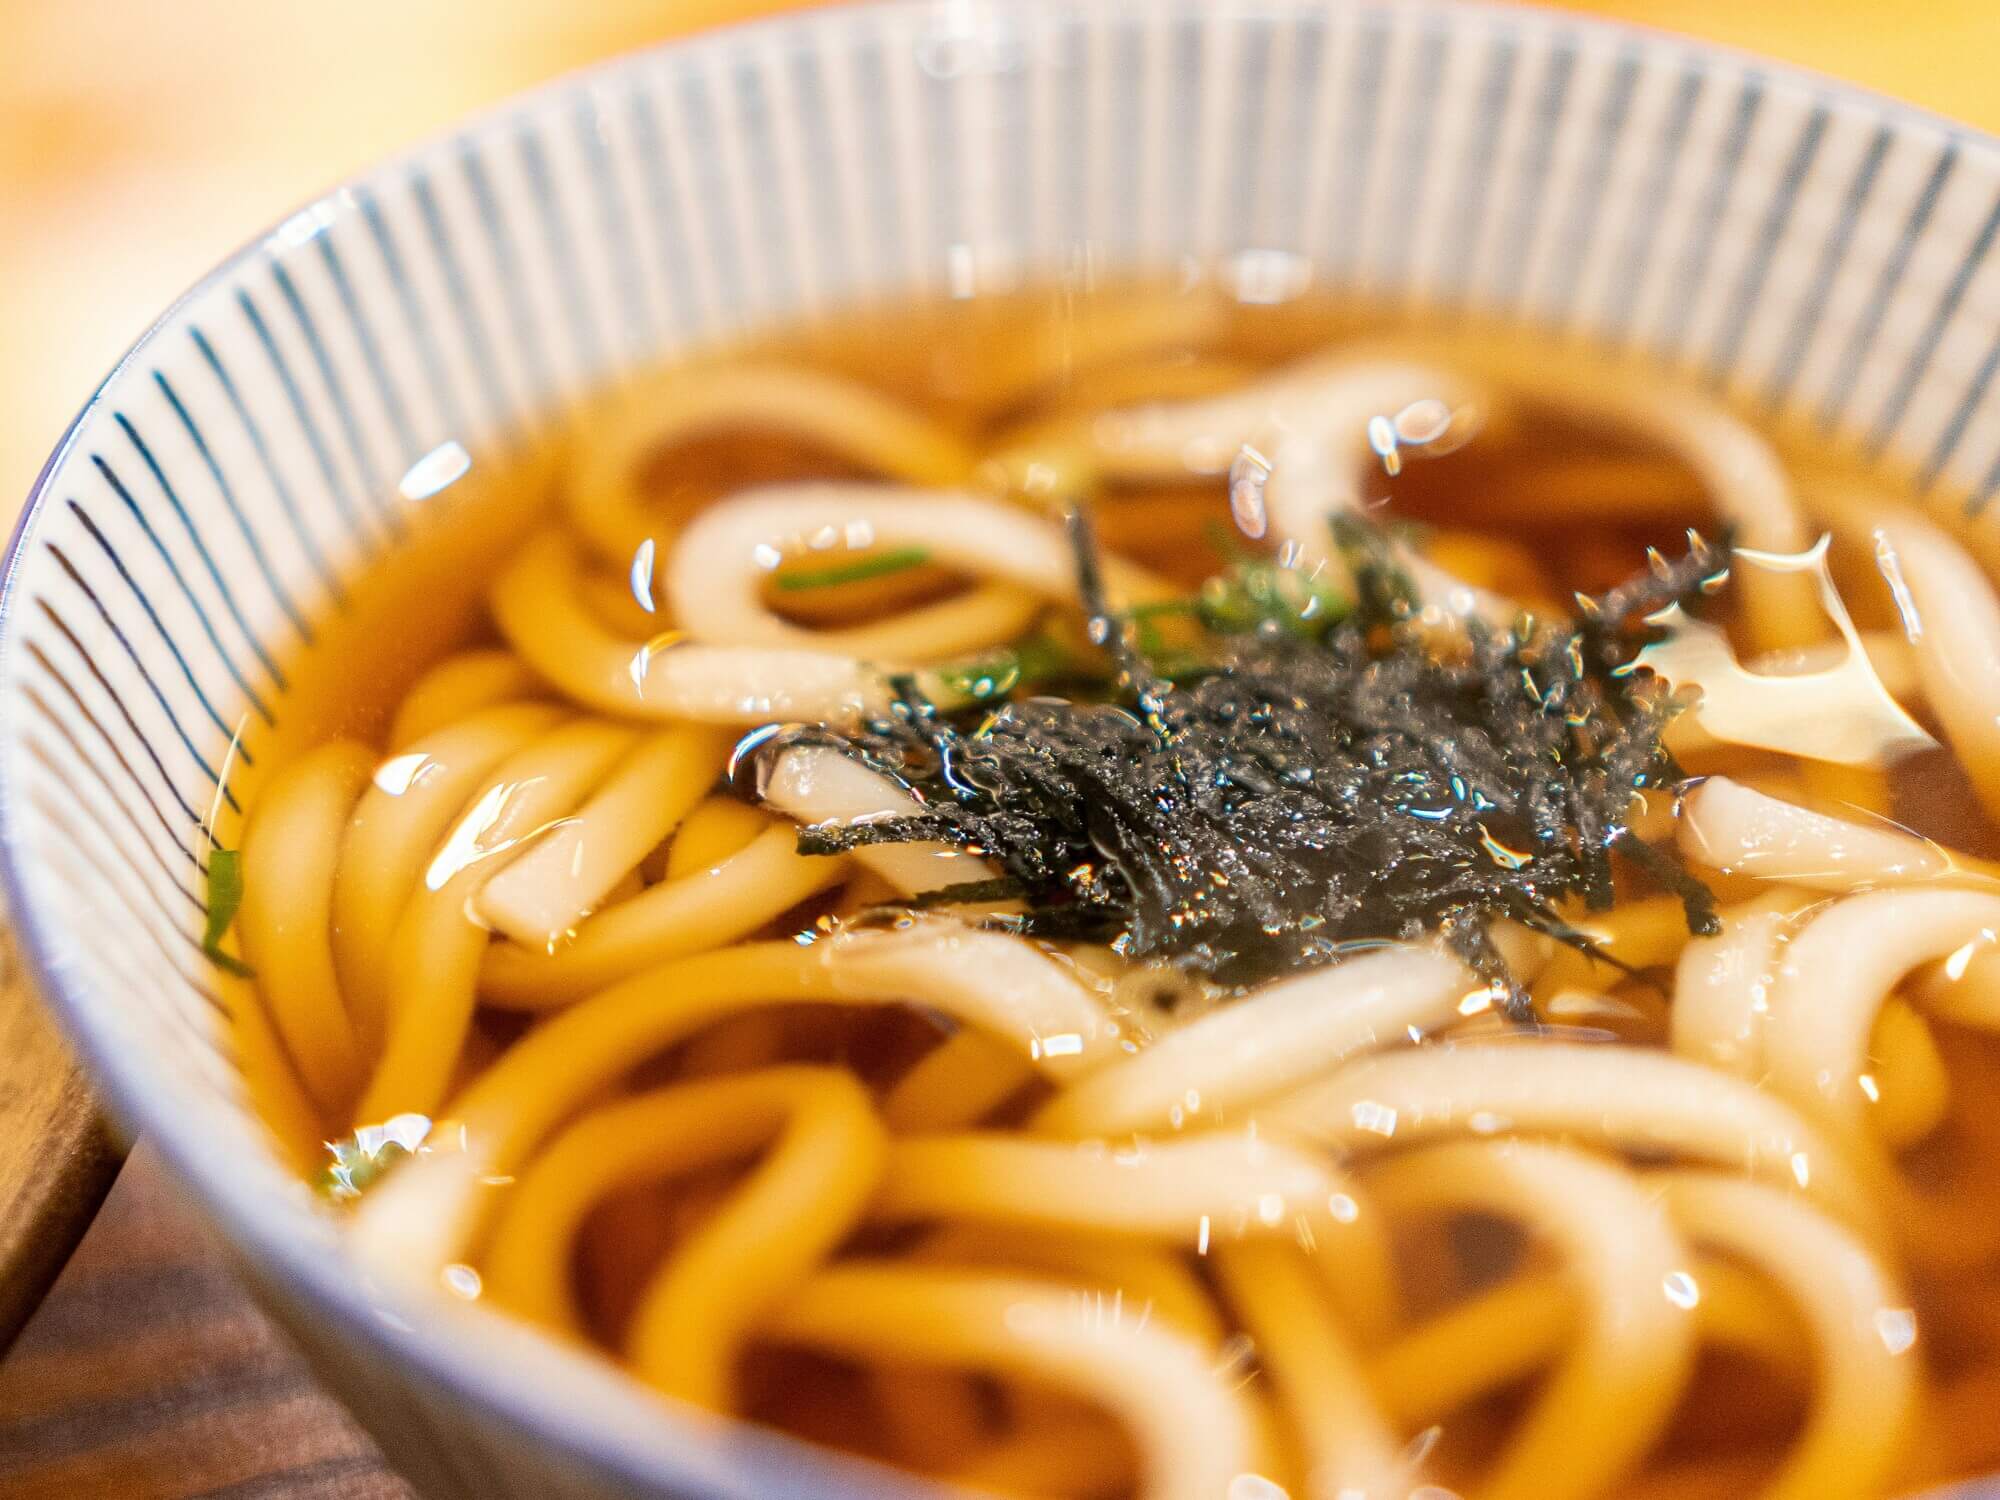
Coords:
pixel 225 895
pixel 876 565
pixel 995 674
pixel 1249 595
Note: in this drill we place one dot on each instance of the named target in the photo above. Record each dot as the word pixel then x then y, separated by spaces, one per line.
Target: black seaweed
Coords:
pixel 1300 796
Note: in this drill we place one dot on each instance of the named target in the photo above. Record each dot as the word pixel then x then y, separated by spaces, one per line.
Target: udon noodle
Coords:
pixel 534 938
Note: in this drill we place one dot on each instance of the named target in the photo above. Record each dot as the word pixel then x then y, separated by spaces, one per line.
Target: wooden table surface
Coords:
pixel 147 1374
pixel 57 1155
pixel 139 142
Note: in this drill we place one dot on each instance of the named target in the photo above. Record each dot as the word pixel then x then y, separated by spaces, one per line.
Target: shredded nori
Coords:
pixel 1300 794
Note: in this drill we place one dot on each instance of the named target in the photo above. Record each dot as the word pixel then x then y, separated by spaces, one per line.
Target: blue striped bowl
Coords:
pixel 1816 251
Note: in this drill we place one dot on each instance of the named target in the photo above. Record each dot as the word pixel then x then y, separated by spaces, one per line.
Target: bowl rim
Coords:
pixel 417 1333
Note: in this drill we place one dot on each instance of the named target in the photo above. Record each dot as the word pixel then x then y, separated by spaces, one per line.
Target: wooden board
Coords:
pixel 148 1374
pixel 56 1157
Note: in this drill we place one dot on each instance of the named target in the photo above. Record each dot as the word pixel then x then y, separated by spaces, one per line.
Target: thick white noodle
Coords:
pixel 1863 1332
pixel 536 605
pixel 1194 1432
pixel 721 562
pixel 1741 831
pixel 417 1221
pixel 1951 618
pixel 1837 972
pixel 1741 472
pixel 1620 1378
pixel 1722 990
pixel 1276 1039
pixel 817 785
pixel 1309 423
pixel 1629 1098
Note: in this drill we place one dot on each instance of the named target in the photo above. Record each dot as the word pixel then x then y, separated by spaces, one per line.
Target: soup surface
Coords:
pixel 1133 893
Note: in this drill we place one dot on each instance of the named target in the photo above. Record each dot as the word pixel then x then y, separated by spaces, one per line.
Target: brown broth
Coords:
pixel 1000 366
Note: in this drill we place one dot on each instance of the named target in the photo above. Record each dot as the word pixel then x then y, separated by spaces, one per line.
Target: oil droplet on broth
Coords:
pixel 1840 713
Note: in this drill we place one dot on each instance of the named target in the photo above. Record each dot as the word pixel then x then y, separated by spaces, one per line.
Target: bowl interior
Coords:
pixel 1817 253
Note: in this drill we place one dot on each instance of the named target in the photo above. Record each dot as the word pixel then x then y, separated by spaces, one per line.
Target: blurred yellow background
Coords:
pixel 141 140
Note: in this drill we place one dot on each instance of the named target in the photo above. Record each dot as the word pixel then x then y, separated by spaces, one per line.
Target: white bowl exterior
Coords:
pixel 1814 249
